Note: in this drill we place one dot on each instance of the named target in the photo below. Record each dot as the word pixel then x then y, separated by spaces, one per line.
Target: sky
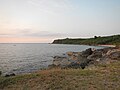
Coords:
pixel 42 21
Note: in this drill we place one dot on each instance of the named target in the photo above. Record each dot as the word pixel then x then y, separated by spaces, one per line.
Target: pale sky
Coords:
pixel 39 21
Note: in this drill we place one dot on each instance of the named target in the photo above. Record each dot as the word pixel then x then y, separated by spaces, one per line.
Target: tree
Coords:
pixel 95 37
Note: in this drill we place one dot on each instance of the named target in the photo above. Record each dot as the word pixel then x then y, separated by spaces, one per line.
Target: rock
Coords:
pixel 81 58
pixel 87 52
pixel 86 58
pixel 0 73
pixel 115 55
pixel 70 53
pixel 73 65
pixel 67 60
pixel 78 64
pixel 60 61
pixel 10 74
pixel 63 61
pixel 72 59
pixel 95 55
pixel 56 57
pixel 112 50
pixel 105 50
pixel 83 65
pixel 73 55
pixel 52 66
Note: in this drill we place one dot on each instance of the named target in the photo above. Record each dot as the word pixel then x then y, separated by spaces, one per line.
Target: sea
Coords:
pixel 22 58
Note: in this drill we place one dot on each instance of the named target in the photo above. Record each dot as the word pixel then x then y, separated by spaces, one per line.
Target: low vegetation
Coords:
pixel 101 77
pixel 97 40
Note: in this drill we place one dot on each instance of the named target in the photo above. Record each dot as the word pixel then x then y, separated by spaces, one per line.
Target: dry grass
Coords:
pixel 105 77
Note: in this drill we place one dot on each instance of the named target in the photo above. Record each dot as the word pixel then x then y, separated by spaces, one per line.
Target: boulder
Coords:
pixel 70 53
pixel 67 59
pixel 87 52
pixel 95 55
pixel 83 65
pixel 73 55
pixel 9 74
pixel 115 55
pixel 60 61
pixel 76 65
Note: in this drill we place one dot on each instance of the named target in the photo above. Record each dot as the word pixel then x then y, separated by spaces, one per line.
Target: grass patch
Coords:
pixel 103 78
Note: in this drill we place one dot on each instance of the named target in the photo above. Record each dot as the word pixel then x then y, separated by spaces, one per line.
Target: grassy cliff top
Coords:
pixel 113 40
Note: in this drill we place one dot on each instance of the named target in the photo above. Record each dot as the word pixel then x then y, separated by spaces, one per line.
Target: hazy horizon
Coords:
pixel 42 21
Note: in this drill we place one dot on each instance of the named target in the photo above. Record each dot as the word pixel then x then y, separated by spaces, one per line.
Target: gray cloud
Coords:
pixel 42 34
pixel 32 33
pixel 6 34
pixel 46 34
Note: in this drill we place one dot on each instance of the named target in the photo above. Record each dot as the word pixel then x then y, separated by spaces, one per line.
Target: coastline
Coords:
pixel 107 45
pixel 31 49
pixel 86 58
pixel 71 77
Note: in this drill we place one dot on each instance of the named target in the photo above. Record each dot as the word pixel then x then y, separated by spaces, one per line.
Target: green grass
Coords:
pixel 114 40
pixel 103 77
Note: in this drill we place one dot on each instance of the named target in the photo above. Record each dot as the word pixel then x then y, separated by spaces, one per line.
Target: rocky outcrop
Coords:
pixel 9 74
pixel 85 58
pixel 87 52
pixel 72 59
pixel 114 54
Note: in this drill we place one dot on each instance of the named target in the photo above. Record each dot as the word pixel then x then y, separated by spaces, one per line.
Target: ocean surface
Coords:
pixel 26 58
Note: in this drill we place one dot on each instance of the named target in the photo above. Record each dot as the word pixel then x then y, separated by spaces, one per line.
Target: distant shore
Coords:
pixel 110 41
pixel 107 45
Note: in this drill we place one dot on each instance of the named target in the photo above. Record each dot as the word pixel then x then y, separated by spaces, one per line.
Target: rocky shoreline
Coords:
pixel 86 58
pixel 89 57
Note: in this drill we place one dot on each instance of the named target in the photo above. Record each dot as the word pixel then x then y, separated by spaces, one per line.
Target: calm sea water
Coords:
pixel 24 58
